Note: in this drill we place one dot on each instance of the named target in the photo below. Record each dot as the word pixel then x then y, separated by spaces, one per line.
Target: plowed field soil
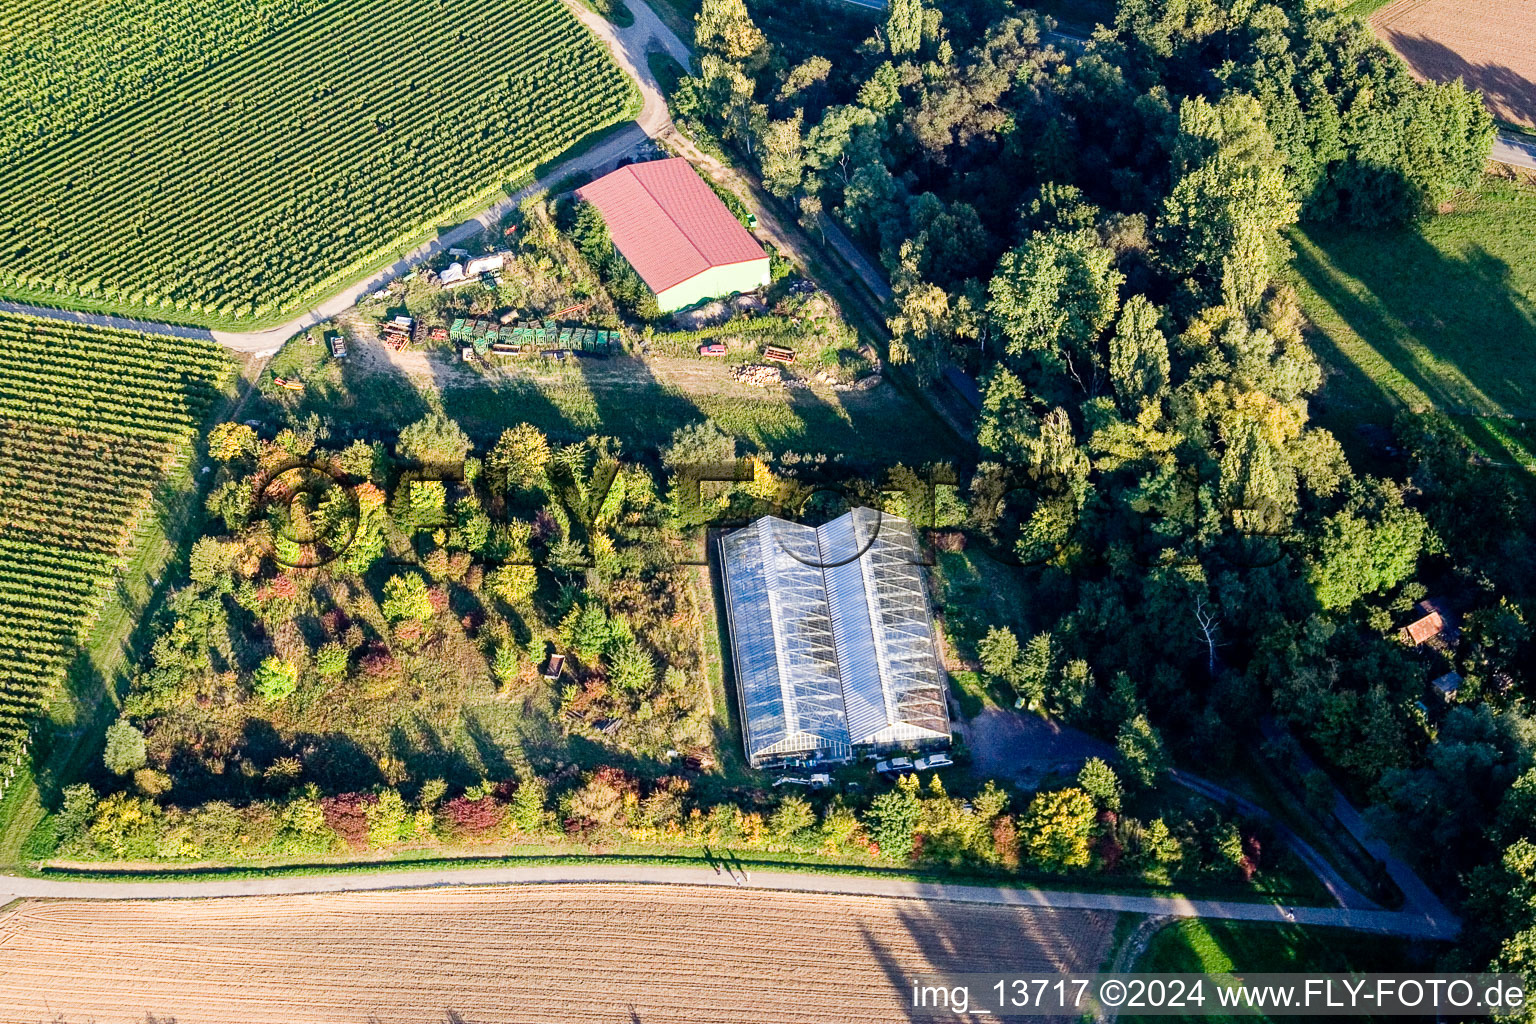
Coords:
pixel 1489 43
pixel 530 954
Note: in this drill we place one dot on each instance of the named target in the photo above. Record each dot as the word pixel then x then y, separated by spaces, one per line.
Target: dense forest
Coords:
pixel 1094 229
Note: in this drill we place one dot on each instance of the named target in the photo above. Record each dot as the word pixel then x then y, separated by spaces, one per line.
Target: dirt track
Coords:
pixel 1489 43
pixel 556 953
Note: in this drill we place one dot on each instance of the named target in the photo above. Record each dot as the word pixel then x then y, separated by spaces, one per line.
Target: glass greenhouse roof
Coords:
pixel 832 637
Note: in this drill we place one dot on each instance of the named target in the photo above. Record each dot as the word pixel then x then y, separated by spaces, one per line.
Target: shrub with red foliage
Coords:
pixel 947 540
pixel 618 779
pixel 347 815
pixel 377 662
pixel 438 597
pixel 472 622
pixel 474 817
pixel 1110 851
pixel 282 586
pixel 335 622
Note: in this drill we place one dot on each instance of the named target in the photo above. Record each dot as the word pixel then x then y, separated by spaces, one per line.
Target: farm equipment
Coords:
pixel 397 333
pixel 713 348
pixel 779 354
pixel 337 343
pixel 291 385
pixel 533 338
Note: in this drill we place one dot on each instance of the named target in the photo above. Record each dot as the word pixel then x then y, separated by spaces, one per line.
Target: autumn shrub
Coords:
pixel 603 801
pixel 1005 841
pixel 389 820
pixel 378 662
pixel 347 815
pixel 470 818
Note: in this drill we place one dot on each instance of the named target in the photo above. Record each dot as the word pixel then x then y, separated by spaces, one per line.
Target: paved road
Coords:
pixel 103 320
pixel 1418 898
pixel 265 342
pixel 628 47
pixel 1379 921
pixel 1340 889
pixel 998 737
pixel 1515 150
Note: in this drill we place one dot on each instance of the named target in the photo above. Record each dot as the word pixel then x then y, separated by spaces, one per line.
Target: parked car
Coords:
pixel 714 348
pixel 895 766
pixel 933 761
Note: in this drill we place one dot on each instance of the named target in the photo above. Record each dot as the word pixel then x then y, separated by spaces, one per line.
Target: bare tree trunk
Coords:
pixel 1207 622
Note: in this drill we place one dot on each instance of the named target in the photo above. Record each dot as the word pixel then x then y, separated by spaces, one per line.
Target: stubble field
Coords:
pixel 555 953
pixel 1489 43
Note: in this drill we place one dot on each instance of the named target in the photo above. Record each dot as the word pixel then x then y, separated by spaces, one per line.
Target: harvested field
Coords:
pixel 556 953
pixel 1489 43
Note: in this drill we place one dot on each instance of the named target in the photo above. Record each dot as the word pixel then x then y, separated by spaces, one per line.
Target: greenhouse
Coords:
pixel 832 639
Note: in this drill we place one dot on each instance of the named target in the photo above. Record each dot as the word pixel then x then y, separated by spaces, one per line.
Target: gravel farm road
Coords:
pixel 1410 923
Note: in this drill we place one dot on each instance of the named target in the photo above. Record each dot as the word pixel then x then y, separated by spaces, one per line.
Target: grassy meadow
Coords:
pixel 1440 315
pixel 1197 946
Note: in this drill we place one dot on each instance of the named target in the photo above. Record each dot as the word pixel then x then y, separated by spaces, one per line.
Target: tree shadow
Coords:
pixel 1438 330
pixel 425 754
pixel 1508 93
pixel 338 762
pixel 493 757
pixel 513 391
pixel 633 404
pixel 951 938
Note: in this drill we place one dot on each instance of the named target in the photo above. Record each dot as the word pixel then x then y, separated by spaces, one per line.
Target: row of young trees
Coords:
pixel 1096 230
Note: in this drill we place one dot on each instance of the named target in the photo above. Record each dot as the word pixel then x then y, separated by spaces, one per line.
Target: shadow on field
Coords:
pixel 486 407
pixel 958 939
pixel 642 409
pixel 1412 304
pixel 1508 93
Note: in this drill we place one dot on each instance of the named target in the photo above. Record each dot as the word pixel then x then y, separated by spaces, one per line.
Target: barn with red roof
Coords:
pixel 677 234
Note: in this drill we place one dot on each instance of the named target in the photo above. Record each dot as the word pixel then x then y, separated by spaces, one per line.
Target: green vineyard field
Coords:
pixel 91 419
pixel 66 65
pixel 238 193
